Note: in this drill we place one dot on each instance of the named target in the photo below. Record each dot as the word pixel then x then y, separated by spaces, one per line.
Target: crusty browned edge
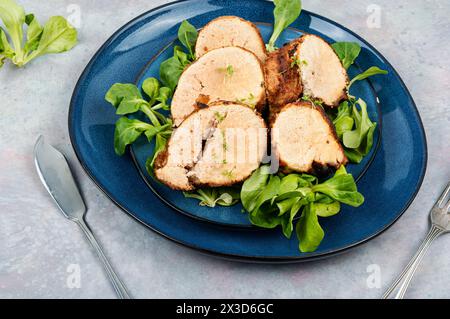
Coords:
pixel 318 169
pixel 283 82
pixel 344 95
pixel 263 45
pixel 260 104
pixel 161 158
pixel 160 162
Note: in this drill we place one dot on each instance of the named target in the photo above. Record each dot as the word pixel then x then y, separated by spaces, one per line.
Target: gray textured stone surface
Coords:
pixel 37 244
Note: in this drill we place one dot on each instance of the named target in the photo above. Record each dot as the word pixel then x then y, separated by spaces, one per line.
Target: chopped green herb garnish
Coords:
pixel 229 70
pixel 297 62
pixel 250 100
pixel 312 100
pixel 219 117
pixel 224 143
pixel 228 173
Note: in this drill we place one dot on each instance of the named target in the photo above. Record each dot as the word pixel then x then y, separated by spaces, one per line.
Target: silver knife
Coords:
pixel 57 178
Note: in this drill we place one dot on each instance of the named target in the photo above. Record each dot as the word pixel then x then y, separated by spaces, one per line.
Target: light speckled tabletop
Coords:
pixel 39 250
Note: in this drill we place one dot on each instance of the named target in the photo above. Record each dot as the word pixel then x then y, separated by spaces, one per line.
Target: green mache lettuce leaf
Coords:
pixel 170 71
pixel 253 187
pixel 344 121
pixel 125 97
pixel 5 48
pixel 309 232
pixel 150 86
pixel 275 200
pixel 130 106
pixel 285 205
pixel 353 155
pixel 223 196
pixel 287 225
pixel 269 191
pixel 327 209
pixel 160 145
pixel 347 52
pixel 284 13
pixel 354 138
pixel 58 36
pixel 187 34
pixel 156 130
pixel 121 91
pixel 34 33
pixel 341 187
pixel 163 97
pixel 374 70
pixel 289 183
pixel 355 129
pixel 127 131
pixel 182 56
pixel 13 17
pixel 266 217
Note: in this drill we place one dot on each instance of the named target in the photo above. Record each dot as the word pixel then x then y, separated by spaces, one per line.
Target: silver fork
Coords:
pixel 440 224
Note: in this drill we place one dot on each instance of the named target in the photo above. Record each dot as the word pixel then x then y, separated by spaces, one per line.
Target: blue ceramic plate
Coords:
pixel 389 178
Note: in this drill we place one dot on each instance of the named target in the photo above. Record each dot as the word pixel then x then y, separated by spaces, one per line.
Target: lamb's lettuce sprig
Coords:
pixel 355 129
pixel 347 52
pixel 353 125
pixel 284 13
pixel 275 200
pixel 373 70
pixel 55 36
pixel 127 99
pixel 213 196
pixel 171 69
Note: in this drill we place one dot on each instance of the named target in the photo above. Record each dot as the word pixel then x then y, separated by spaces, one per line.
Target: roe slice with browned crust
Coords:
pixel 220 145
pixel 230 74
pixel 230 31
pixel 322 74
pixel 304 140
pixel 283 84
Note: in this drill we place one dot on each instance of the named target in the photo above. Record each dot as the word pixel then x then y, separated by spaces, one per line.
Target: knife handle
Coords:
pixel 118 285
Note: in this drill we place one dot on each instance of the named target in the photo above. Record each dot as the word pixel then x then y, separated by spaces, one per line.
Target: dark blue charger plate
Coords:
pixel 389 183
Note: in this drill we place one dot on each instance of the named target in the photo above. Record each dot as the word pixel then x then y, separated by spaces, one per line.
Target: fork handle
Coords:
pixel 402 282
pixel 118 285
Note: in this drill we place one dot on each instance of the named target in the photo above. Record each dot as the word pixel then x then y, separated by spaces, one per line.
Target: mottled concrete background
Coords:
pixel 37 246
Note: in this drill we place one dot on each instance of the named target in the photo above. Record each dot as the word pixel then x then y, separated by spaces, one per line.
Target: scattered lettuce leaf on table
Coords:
pixel 56 36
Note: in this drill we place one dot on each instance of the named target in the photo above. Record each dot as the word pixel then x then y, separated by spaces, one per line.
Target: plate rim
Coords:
pixel 237 257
